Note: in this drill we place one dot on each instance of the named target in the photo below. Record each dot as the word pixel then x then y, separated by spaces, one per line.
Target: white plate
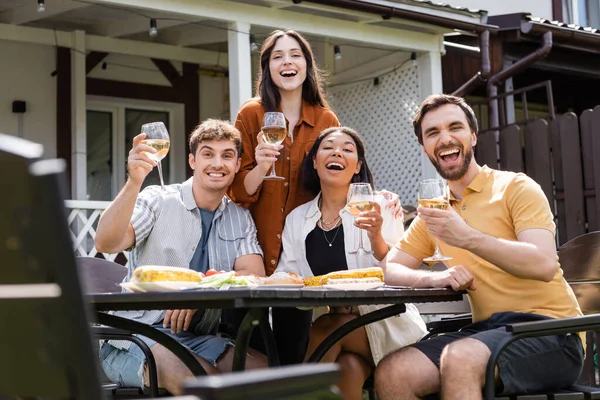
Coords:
pixel 141 287
pixel 353 286
pixel 283 285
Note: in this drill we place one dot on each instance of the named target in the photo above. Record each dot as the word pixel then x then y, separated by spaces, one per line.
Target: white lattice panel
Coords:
pixel 83 220
pixel 382 116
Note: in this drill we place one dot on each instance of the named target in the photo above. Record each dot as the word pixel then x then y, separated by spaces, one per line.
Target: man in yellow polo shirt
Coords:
pixel 499 232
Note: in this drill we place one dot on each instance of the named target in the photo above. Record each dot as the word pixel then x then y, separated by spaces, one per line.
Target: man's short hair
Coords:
pixel 215 129
pixel 437 100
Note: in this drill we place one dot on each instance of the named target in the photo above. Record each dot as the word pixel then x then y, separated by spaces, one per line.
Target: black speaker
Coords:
pixel 19 107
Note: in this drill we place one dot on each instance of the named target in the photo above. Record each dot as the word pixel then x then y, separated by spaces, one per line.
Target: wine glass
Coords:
pixel 274 130
pixel 158 138
pixel 433 193
pixel 360 196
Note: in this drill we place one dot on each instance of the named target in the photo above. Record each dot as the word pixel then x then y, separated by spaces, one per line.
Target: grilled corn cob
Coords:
pixel 151 273
pixel 320 280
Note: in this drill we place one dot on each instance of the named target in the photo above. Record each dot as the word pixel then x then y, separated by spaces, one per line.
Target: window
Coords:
pixel 582 12
pixel 111 127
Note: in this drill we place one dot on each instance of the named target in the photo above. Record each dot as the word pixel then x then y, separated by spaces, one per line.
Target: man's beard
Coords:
pixel 455 174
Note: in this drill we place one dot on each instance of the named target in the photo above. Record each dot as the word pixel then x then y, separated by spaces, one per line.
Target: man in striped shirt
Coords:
pixel 193 224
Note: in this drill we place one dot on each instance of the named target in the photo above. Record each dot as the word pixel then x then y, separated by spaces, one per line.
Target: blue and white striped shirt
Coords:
pixel 168 227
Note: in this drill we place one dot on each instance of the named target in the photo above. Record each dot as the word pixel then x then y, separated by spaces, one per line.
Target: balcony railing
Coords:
pixel 83 219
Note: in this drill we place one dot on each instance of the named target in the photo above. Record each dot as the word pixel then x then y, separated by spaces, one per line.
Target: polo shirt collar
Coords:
pixel 478 183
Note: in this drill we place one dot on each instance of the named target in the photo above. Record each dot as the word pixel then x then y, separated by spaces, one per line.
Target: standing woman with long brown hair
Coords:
pixel 290 82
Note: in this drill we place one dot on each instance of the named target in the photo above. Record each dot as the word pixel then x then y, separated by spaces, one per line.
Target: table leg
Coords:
pixel 254 316
pixel 180 351
pixel 356 323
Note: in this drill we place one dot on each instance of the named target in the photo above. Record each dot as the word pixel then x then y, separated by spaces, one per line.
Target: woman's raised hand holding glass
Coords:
pixel 433 193
pixel 157 137
pixel 274 130
pixel 360 197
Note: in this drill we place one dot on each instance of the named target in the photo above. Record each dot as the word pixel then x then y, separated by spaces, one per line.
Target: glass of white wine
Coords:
pixel 433 193
pixel 274 130
pixel 360 196
pixel 157 137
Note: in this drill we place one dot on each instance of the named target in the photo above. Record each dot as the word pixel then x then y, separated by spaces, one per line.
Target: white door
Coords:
pixel 111 126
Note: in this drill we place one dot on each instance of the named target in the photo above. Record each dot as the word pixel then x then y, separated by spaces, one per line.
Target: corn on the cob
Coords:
pixel 320 280
pixel 151 273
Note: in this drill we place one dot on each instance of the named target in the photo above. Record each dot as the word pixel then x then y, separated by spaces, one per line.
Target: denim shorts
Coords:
pixel 125 367
pixel 526 366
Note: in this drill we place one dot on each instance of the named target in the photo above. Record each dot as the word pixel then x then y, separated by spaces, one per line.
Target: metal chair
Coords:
pixel 46 348
pixel 297 382
pixel 103 276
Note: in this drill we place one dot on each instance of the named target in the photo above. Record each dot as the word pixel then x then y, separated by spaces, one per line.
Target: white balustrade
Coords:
pixel 82 220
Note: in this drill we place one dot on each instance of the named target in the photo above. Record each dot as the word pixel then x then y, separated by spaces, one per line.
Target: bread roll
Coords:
pixel 281 277
pixel 155 273
pixel 374 272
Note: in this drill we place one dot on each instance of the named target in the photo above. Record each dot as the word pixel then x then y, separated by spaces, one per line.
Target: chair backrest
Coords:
pixel 99 275
pixel 580 261
pixel 45 344
pixel 297 382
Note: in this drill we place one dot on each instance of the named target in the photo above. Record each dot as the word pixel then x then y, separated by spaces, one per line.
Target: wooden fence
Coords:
pixel 563 156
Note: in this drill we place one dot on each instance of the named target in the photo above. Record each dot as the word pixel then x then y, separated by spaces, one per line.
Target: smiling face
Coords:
pixel 337 160
pixel 448 141
pixel 287 64
pixel 215 164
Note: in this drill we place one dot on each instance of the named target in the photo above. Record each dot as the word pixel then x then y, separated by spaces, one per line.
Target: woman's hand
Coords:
pixel 371 221
pixel 265 154
pixel 394 204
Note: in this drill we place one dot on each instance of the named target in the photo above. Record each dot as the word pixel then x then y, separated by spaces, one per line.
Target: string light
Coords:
pixel 413 59
pixel 337 53
pixel 253 45
pixel 153 29
pixel 41 6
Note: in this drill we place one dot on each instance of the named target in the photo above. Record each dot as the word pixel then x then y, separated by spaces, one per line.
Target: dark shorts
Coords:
pixel 527 365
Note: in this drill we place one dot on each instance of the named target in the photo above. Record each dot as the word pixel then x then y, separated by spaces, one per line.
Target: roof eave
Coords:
pixel 387 12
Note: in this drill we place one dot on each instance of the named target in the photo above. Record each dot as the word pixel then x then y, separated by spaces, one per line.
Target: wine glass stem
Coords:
pixel 162 183
pixel 360 240
pixel 436 253
pixel 273 169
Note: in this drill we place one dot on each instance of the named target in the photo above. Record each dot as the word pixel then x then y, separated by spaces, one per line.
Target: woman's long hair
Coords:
pixel 310 178
pixel 312 87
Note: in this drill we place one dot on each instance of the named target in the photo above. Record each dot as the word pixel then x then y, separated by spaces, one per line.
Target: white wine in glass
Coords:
pixel 157 137
pixel 360 196
pixel 433 193
pixel 274 130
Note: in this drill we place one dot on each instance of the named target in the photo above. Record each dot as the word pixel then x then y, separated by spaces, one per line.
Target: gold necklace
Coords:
pixel 328 225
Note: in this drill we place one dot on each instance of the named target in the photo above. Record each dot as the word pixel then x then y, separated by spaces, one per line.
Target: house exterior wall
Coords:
pixel 25 70
pixel 537 8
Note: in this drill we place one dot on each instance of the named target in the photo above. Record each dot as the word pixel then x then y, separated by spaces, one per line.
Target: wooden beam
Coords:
pixel 92 59
pixel 557 11
pixel 63 108
pixel 129 90
pixel 168 70
pixel 190 88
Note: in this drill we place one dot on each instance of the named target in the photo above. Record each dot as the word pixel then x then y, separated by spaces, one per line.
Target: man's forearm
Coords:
pixel 399 275
pixel 115 220
pixel 521 259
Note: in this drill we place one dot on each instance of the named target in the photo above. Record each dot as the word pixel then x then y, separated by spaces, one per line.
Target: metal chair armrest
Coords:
pixel 108 333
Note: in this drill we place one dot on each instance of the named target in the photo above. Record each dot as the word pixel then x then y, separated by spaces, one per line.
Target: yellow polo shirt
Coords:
pixel 501 204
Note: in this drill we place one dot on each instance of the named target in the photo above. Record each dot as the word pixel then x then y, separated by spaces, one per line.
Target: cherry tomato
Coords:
pixel 211 272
